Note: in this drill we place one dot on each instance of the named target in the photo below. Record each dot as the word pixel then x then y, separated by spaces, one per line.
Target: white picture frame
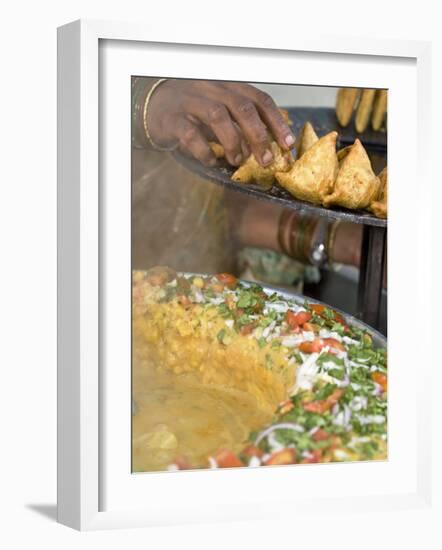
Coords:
pixel 86 59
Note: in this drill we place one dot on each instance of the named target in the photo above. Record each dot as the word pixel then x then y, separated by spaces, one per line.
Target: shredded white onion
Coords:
pixel 281 426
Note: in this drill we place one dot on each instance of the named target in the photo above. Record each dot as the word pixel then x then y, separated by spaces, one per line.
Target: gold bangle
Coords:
pixel 331 241
pixel 145 115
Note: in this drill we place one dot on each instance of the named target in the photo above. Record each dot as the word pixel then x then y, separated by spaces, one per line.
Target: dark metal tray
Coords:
pixel 324 120
pixel 221 175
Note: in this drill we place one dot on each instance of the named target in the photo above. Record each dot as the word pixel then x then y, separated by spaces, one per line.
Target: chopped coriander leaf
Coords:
pixel 337 327
pixel 329 357
pixel 328 313
pixel 224 311
pixel 243 320
pixel 262 342
pixel 221 335
pixel 325 391
pixel 337 373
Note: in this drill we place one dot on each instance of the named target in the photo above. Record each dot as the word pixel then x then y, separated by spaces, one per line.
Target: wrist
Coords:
pixel 152 119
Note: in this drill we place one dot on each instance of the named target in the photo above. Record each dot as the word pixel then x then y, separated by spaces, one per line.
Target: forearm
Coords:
pixel 258 224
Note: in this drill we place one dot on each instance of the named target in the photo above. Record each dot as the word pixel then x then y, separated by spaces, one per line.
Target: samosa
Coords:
pixel 311 177
pixel 379 206
pixel 356 185
pixel 306 139
pixel 345 103
pixel 364 109
pixel 252 172
pixel 379 109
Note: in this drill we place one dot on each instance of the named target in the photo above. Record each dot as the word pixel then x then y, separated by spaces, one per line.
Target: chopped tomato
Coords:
pixel 181 463
pixel 335 396
pixel 247 329
pixel 320 435
pixel 227 459
pixel 380 378
pixel 285 407
pixel 316 457
pixel 227 279
pixel 318 407
pixel 303 317
pixel 217 287
pixel 319 310
pixel 285 456
pixel 338 317
pixel 291 319
pixel 252 450
pixel 184 300
pixel 313 346
pixel 308 327
pixel 333 343
pixel 323 405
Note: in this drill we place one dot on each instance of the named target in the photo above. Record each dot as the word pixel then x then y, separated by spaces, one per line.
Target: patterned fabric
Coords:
pixel 273 268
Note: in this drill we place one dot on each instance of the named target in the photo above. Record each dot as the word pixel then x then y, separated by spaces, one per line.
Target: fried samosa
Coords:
pixel 356 185
pixel 306 139
pixel 217 149
pixel 311 177
pixel 345 104
pixel 379 206
pixel 252 172
pixel 379 109
pixel 364 109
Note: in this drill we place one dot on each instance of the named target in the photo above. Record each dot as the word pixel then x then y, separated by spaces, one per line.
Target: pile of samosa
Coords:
pixel 321 175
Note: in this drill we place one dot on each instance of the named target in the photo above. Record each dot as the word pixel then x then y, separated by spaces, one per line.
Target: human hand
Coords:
pixel 243 119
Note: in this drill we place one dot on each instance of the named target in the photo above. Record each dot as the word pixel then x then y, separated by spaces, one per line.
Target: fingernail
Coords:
pixel 238 159
pixel 267 157
pixel 289 140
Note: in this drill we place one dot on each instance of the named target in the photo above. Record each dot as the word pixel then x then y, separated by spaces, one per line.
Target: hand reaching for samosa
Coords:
pixel 242 119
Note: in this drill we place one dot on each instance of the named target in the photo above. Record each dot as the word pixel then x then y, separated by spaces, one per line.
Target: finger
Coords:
pixel 246 115
pixel 192 141
pixel 268 111
pixel 216 116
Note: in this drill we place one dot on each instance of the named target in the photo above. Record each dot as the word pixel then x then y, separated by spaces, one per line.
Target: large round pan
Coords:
pixel 379 339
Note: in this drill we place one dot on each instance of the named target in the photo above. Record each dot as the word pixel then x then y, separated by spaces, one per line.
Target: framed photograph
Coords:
pixel 225 291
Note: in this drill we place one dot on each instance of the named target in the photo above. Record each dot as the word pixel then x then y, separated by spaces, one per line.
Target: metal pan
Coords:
pixel 221 175
pixel 379 339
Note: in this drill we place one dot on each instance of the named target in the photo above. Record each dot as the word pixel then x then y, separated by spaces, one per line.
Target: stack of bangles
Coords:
pixel 307 239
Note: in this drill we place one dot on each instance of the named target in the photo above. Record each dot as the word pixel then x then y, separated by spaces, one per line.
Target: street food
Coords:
pixel 305 140
pixel 356 184
pixel 346 101
pixel 252 172
pixel 379 206
pixel 312 176
pixel 230 374
pixel 364 109
pixel 379 109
